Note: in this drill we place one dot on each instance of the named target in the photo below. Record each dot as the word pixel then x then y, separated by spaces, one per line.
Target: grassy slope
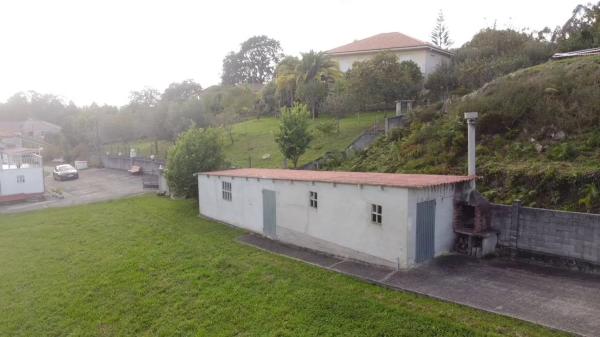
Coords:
pixel 256 138
pixel 530 104
pixel 150 267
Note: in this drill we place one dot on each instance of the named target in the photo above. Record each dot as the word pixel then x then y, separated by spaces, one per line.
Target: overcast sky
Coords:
pixel 99 51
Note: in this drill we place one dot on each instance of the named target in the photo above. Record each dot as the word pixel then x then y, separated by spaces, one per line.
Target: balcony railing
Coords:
pixel 18 161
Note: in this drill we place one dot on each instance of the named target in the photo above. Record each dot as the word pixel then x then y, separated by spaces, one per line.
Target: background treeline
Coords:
pixel 258 80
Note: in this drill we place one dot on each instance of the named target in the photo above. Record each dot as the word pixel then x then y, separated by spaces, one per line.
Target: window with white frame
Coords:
pixel 20 179
pixel 226 190
pixel 376 214
pixel 313 199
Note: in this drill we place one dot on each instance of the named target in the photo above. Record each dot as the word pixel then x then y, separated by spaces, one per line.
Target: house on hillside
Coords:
pixel 395 220
pixel 10 139
pixel 21 173
pixel 426 55
pixel 33 128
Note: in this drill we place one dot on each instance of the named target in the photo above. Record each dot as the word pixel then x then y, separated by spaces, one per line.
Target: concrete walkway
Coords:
pixel 558 299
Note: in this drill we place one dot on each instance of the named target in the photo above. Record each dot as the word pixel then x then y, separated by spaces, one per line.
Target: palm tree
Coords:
pixel 314 74
pixel 317 66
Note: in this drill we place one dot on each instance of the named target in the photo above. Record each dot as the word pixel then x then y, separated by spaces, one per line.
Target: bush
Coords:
pixel 196 150
pixel 326 127
pixel 563 152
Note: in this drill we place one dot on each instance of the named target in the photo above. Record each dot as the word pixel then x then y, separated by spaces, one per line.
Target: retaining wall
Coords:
pixel 571 236
pixel 148 166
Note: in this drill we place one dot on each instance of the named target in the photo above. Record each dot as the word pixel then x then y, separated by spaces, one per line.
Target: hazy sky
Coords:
pixel 99 51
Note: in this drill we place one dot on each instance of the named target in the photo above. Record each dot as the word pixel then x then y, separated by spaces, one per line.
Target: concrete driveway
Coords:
pixel 559 299
pixel 93 185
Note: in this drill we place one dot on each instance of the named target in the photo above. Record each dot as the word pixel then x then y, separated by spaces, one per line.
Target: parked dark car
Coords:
pixel 65 172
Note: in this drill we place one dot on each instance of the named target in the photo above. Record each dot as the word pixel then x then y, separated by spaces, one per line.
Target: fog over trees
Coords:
pixel 259 80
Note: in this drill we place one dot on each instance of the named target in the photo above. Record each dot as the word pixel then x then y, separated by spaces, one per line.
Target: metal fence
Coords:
pixel 22 160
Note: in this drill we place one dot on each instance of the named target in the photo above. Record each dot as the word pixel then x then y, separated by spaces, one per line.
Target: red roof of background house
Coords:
pixel 4 133
pixel 381 42
pixel 357 178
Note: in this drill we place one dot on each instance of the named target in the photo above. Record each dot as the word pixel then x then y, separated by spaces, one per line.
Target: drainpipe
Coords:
pixel 471 118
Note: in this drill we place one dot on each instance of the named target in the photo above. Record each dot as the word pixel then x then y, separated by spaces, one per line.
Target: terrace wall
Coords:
pixel 148 166
pixel 566 238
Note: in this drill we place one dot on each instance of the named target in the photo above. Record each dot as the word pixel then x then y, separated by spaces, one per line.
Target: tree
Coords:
pixel 314 73
pixel 267 102
pixel 440 36
pixel 196 150
pixel 581 31
pixel 254 63
pixel 181 92
pixel 312 93
pixel 442 81
pixel 144 99
pixel 382 80
pixel 233 71
pixel 492 53
pixel 286 79
pixel 317 66
pixel 294 137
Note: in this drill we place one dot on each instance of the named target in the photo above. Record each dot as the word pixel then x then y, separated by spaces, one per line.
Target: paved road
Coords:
pixel 559 299
pixel 93 185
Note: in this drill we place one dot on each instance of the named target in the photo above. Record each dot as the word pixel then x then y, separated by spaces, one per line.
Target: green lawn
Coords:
pixel 256 137
pixel 149 266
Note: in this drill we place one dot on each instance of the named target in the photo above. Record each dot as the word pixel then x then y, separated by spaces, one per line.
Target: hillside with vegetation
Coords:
pixel 252 142
pixel 538 137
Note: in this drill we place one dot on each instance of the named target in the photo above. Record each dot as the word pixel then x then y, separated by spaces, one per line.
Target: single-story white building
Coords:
pixel 396 220
pixel 21 174
pixel 426 55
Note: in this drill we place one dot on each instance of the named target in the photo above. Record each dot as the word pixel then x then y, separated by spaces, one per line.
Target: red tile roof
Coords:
pixel 356 178
pixel 381 42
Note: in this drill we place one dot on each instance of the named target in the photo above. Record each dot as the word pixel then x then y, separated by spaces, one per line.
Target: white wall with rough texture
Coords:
pixel 427 60
pixel 341 225
pixel 34 181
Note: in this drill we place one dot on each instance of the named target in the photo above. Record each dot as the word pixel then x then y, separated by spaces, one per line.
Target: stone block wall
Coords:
pixel 569 235
pixel 125 163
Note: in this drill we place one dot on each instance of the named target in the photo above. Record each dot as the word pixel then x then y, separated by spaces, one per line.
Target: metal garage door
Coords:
pixel 425 248
pixel 269 213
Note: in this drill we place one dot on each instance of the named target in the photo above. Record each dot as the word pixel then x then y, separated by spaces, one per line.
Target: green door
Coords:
pixel 425 248
pixel 269 213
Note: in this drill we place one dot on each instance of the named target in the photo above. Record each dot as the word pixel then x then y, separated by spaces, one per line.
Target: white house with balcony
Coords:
pixel 21 174
pixel 426 55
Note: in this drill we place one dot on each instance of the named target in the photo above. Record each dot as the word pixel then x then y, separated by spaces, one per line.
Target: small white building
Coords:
pixel 21 174
pixel 396 220
pixel 426 55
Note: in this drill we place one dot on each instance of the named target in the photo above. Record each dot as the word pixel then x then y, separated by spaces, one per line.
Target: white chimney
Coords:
pixel 471 118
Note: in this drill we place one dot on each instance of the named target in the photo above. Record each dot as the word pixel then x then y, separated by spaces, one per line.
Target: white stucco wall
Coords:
pixel 34 181
pixel 341 225
pixel 426 59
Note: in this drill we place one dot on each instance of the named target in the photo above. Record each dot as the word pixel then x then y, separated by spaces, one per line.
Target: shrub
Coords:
pixel 562 152
pixel 326 127
pixel 196 150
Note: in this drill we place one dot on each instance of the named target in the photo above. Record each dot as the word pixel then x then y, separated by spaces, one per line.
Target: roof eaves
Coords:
pixel 379 50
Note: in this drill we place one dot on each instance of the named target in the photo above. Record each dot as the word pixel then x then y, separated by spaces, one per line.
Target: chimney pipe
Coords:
pixel 471 118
